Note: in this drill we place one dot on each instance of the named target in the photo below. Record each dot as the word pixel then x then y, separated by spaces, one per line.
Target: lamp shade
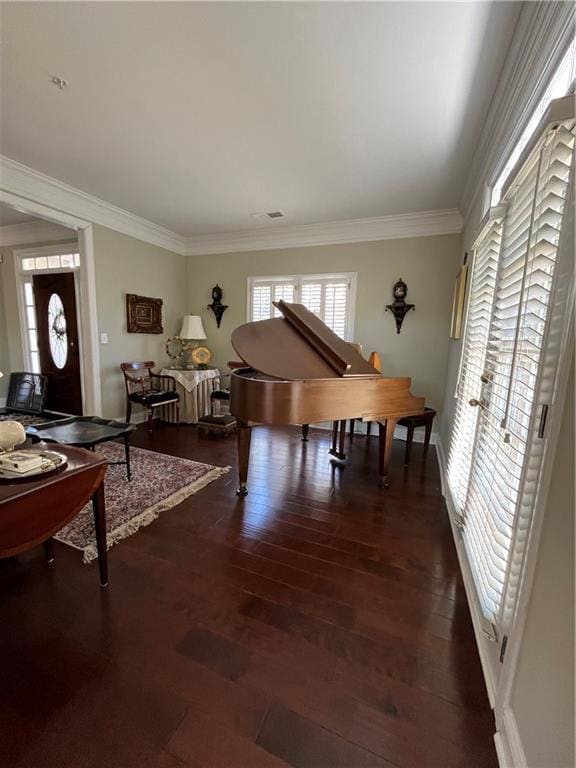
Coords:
pixel 192 328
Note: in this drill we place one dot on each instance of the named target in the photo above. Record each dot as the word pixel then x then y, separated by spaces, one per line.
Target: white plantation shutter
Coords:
pixel 263 292
pixel 284 291
pixel 328 296
pixel 475 344
pixel 495 455
pixel 311 296
pixel 261 302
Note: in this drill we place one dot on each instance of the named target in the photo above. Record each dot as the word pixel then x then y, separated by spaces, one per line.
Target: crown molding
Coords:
pixel 543 31
pixel 34 232
pixel 37 187
pixel 424 224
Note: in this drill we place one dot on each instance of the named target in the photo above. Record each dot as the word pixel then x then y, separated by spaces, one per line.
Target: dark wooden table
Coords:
pixel 85 432
pixel 33 510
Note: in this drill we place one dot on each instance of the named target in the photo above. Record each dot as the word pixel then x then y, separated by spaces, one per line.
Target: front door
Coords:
pixel 55 300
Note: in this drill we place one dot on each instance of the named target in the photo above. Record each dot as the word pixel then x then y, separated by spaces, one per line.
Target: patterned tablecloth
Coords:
pixel 194 388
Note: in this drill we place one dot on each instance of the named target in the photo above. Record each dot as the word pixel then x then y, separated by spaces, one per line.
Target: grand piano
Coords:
pixel 299 372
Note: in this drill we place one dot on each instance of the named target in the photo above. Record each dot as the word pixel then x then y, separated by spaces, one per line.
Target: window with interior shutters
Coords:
pixel 329 299
pixel 261 301
pixel 284 291
pixel 264 292
pixel 475 344
pixel 328 296
pixel 515 289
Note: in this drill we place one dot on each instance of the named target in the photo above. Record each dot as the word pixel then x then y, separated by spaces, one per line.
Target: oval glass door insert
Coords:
pixel 57 332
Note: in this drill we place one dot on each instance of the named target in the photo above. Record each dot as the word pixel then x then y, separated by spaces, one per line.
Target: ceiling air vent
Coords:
pixel 269 215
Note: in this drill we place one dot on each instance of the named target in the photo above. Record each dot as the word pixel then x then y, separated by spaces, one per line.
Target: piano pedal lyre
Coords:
pixel 338 445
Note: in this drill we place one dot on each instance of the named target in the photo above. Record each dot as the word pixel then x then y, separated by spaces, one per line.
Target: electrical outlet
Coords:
pixel 103 338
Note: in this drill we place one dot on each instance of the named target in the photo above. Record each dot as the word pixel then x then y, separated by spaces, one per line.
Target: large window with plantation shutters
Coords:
pixel 520 300
pixel 331 297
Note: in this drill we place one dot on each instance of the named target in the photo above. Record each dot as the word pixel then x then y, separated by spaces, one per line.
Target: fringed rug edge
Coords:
pixel 149 515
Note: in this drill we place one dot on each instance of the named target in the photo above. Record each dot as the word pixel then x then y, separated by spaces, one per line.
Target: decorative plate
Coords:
pixel 201 355
pixel 52 462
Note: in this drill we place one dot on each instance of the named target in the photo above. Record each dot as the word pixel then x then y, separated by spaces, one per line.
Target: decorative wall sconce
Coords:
pixel 399 308
pixel 217 307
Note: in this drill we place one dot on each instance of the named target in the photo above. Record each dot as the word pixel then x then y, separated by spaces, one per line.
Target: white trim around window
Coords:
pixel 317 291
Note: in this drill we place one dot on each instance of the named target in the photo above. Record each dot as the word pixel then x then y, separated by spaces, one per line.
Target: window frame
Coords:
pixel 504 169
pixel 297 280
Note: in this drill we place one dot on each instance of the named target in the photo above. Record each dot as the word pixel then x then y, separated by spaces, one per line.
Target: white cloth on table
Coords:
pixel 194 388
pixel 190 379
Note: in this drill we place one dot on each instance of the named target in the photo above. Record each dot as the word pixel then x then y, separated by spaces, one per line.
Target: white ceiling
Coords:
pixel 196 115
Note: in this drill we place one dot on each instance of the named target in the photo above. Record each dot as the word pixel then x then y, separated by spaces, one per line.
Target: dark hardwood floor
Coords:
pixel 319 623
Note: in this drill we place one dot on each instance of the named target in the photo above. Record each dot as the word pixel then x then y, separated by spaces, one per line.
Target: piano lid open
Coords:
pixel 298 346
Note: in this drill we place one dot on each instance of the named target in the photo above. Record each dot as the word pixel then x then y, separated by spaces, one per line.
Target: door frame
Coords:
pixel 85 297
pixel 21 275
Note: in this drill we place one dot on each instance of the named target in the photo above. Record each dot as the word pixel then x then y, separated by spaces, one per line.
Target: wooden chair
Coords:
pixel 222 424
pixel 148 389
pixel 375 362
pixel 26 392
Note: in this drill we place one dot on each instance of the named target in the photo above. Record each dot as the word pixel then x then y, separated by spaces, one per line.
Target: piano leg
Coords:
pixel 244 435
pixel 333 447
pixel 342 446
pixel 305 428
pixel 386 434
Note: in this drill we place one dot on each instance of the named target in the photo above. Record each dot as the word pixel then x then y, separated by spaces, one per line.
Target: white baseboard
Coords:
pixel 2 402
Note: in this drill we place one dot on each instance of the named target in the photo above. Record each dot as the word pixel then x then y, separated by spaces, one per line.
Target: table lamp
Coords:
pixel 192 330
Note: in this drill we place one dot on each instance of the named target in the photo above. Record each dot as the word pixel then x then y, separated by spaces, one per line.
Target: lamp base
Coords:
pixel 187 362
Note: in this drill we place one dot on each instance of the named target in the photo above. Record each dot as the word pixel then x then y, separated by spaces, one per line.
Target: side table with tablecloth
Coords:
pixel 194 387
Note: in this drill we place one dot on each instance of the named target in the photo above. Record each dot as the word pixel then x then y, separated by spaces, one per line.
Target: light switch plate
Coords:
pixel 103 338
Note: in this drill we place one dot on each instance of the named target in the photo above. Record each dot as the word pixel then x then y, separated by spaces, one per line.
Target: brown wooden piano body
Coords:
pixel 299 372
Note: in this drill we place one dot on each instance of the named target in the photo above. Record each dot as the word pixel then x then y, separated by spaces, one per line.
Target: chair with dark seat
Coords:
pixel 148 389
pixel 26 400
pixel 26 392
pixel 222 394
pixel 222 422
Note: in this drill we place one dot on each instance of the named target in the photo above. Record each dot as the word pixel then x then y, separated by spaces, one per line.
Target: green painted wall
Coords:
pixel 126 265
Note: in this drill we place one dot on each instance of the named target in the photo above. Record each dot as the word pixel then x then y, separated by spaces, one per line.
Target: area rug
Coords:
pixel 159 482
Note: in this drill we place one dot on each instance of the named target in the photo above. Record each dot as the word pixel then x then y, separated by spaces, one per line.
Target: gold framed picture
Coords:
pixel 458 303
